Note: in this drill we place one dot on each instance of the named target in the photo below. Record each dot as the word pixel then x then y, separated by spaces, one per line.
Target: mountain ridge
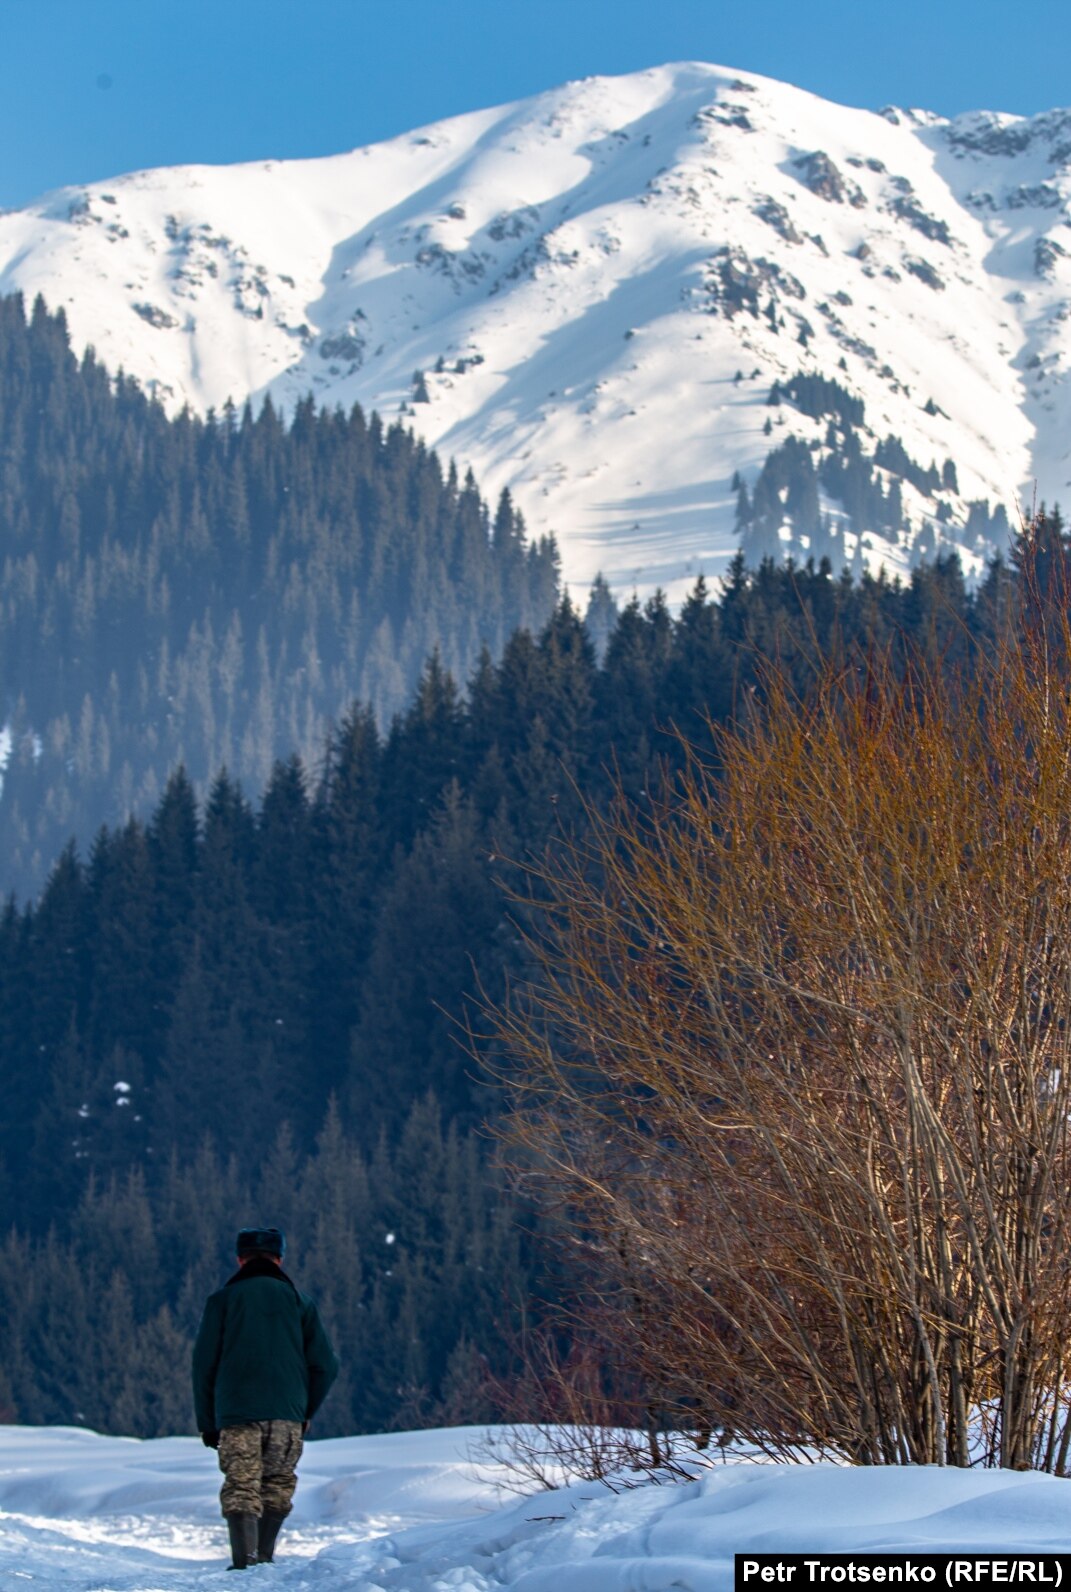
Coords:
pixel 588 296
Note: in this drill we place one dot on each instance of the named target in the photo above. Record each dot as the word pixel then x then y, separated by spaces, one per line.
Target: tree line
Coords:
pixel 227 976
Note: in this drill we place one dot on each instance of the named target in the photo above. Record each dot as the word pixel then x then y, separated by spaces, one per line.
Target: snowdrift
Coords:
pixel 411 1512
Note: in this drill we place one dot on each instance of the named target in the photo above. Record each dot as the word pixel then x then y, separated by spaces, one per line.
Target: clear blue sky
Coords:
pixel 92 88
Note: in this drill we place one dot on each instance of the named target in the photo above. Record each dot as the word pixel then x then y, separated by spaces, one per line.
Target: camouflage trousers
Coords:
pixel 259 1464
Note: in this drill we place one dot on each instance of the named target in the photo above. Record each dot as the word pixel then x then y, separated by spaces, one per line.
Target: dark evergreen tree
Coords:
pixel 439 913
pixel 699 678
pixel 349 860
pixel 421 753
pixel 120 928
pixel 630 685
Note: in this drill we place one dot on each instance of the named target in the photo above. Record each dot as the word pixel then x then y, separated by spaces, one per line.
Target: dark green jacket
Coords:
pixel 261 1352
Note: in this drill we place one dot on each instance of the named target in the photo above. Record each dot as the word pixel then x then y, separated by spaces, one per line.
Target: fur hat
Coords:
pixel 261 1241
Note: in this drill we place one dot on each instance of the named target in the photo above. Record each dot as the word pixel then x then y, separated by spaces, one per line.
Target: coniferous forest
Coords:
pixel 239 1011
pixel 214 592
pixel 330 704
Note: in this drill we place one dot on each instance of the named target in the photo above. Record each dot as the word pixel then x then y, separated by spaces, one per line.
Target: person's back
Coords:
pixel 262 1366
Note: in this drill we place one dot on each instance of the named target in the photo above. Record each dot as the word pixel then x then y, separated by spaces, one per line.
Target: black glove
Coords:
pixel 210 1439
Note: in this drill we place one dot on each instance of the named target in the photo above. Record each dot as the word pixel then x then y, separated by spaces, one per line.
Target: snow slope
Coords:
pixel 407 1513
pixel 550 292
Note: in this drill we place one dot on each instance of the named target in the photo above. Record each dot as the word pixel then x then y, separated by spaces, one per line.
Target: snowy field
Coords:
pixel 411 1513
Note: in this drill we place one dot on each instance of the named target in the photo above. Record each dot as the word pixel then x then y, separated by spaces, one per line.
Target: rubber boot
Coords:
pixel 266 1535
pixel 243 1530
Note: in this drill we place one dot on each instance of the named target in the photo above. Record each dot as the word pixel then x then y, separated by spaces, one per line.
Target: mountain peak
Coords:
pixel 589 296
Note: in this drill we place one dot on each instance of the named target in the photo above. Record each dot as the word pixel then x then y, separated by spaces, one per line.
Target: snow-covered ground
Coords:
pixel 587 295
pixel 411 1512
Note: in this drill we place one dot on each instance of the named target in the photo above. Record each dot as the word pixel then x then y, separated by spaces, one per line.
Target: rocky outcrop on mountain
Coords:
pixel 818 173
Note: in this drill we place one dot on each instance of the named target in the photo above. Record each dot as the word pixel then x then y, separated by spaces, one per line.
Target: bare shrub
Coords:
pixel 572 1407
pixel 797 1063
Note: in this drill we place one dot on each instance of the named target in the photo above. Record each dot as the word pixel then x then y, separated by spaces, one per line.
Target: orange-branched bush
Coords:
pixel 796 1057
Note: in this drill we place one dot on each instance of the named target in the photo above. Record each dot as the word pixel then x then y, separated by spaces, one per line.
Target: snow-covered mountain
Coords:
pixel 587 296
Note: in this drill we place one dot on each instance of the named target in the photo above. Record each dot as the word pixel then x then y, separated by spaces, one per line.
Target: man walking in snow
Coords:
pixel 262 1366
